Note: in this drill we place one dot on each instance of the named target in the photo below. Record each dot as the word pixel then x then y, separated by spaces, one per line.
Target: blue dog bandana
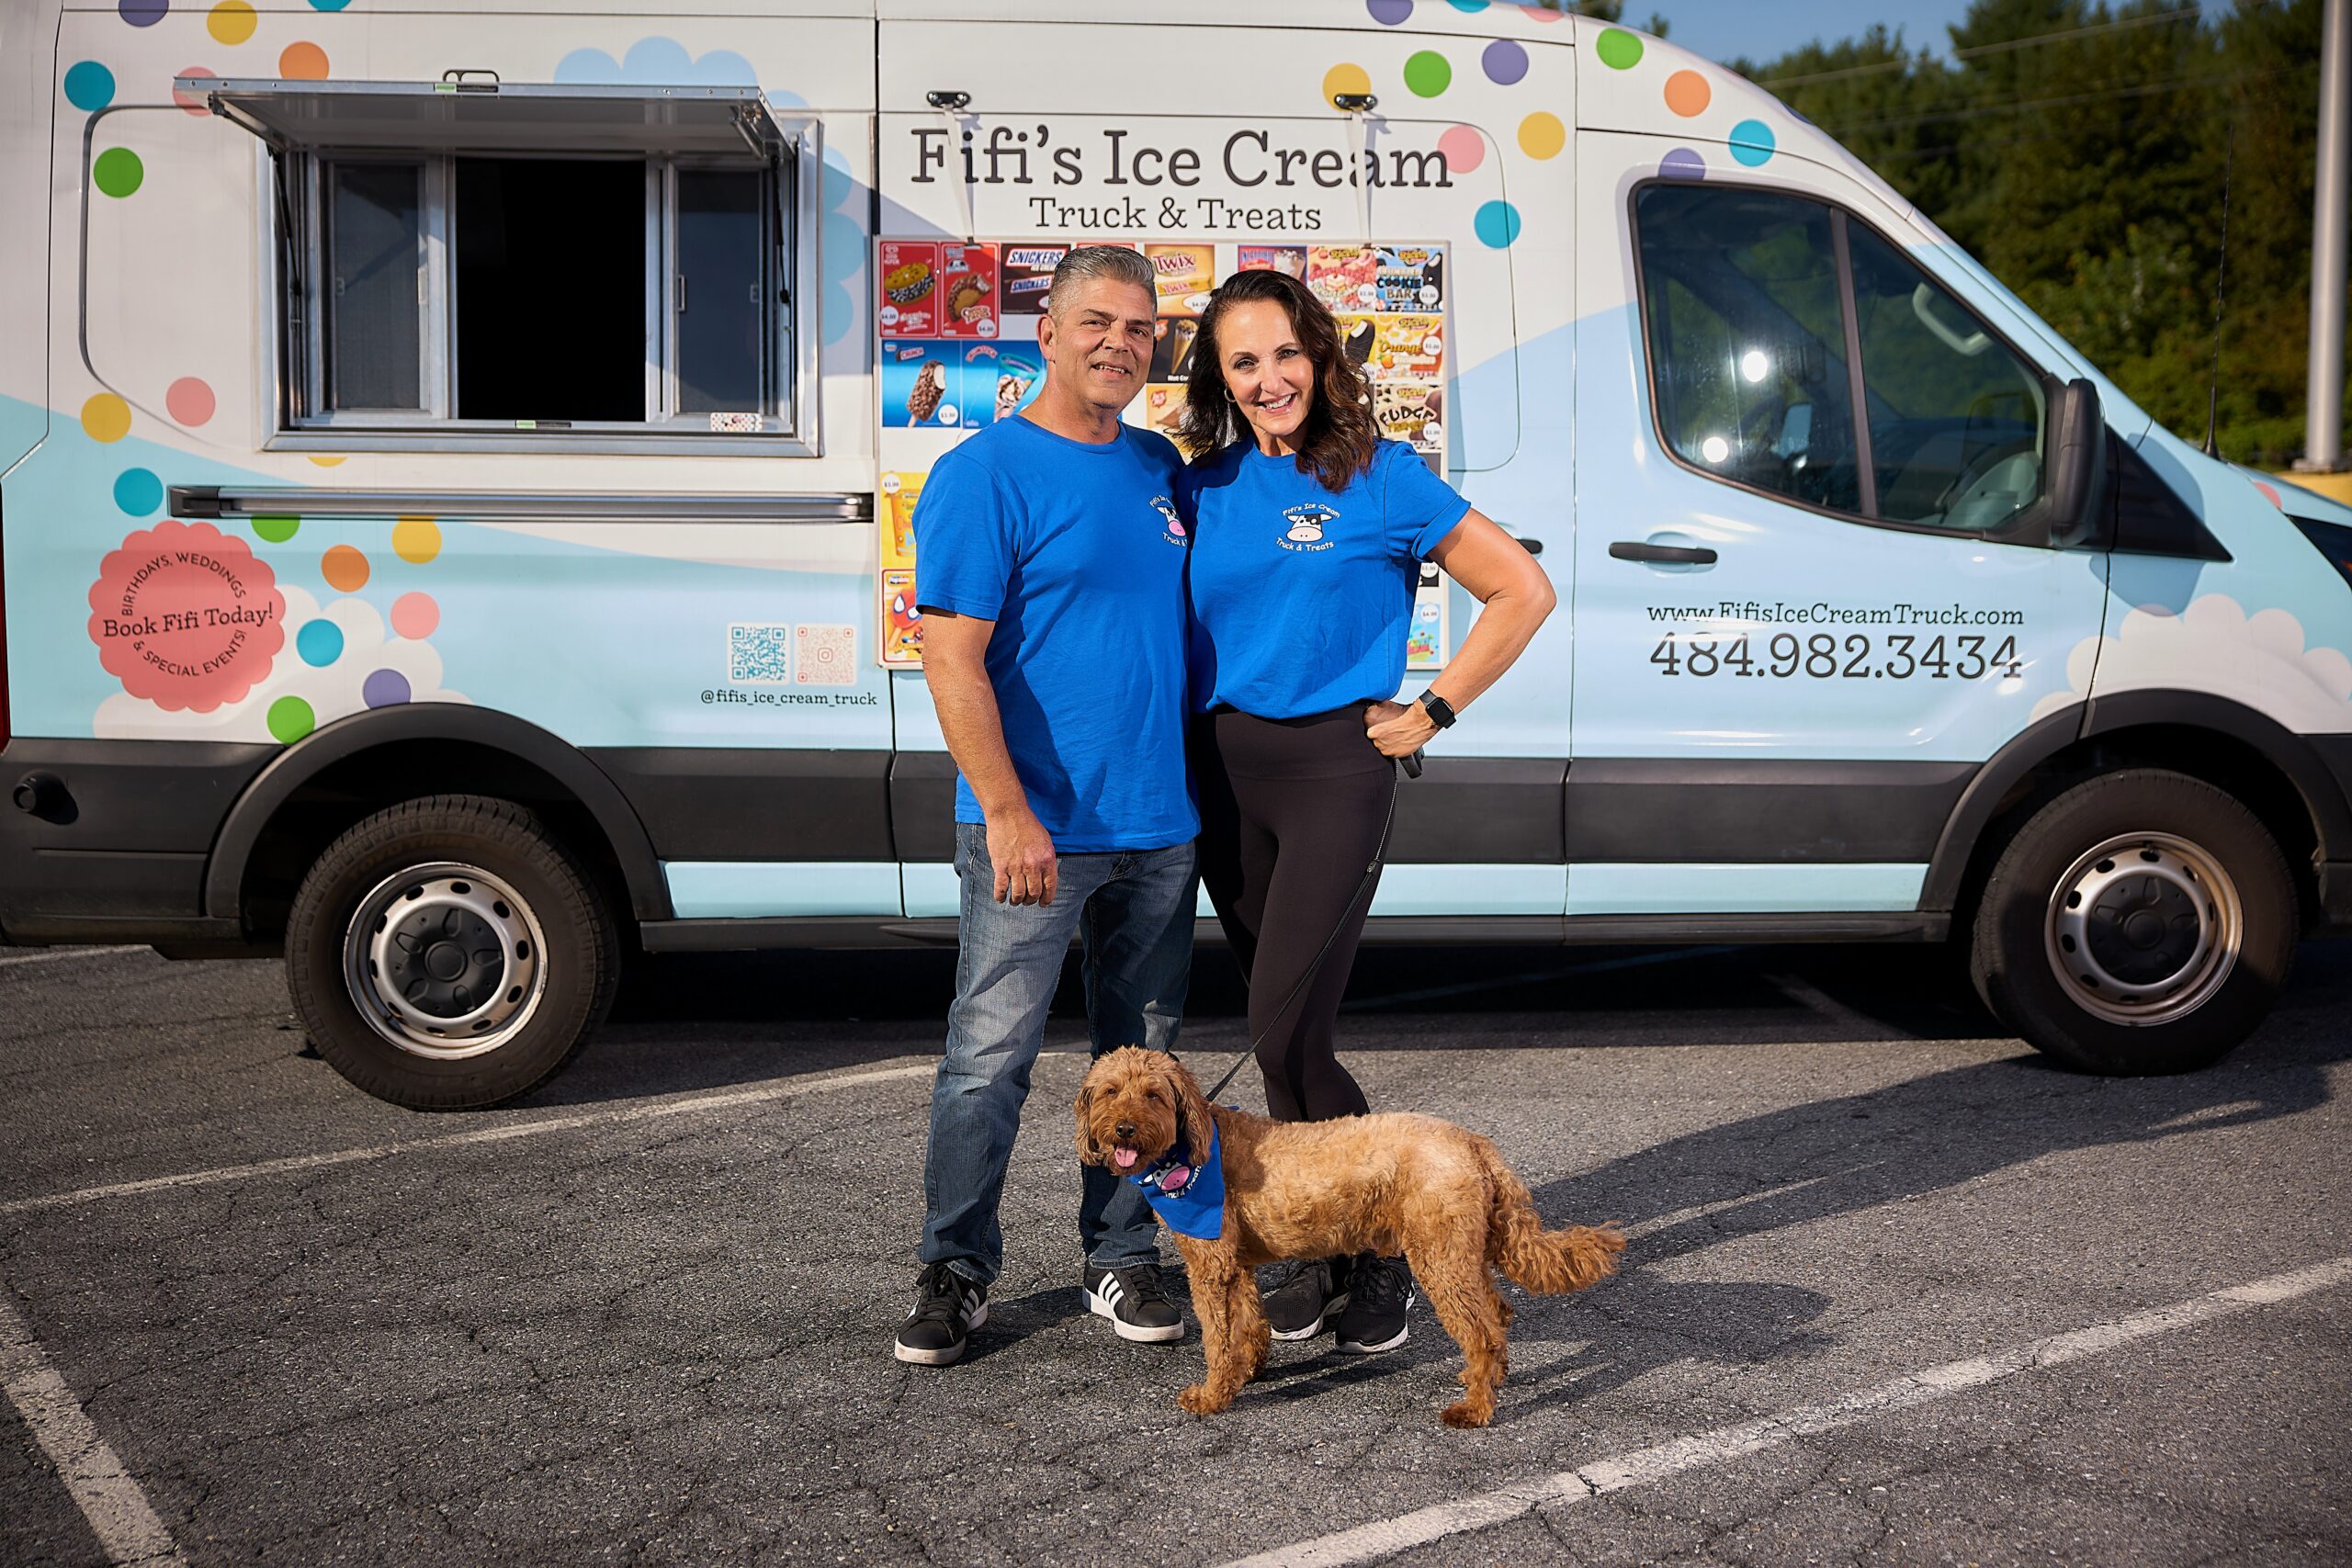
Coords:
pixel 1188 1198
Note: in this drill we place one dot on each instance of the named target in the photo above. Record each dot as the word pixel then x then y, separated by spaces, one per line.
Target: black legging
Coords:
pixel 1292 812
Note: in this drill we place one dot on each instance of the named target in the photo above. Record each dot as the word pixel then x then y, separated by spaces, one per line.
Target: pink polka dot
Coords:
pixel 189 401
pixel 193 102
pixel 415 616
pixel 2270 493
pixel 1464 148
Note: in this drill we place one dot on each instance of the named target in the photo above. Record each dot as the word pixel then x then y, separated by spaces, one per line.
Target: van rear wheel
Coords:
pixel 448 953
pixel 2140 922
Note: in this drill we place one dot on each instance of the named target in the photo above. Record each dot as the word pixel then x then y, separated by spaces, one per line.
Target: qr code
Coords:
pixel 827 655
pixel 759 654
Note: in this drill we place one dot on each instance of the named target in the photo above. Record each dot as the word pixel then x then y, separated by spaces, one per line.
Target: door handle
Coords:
pixel 1685 554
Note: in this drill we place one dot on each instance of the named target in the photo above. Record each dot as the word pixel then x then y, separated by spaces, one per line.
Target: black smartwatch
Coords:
pixel 1440 712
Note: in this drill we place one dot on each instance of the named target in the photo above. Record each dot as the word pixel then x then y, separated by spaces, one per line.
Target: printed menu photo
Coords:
pixel 1409 277
pixel 1024 275
pixel 1172 348
pixel 1184 275
pixel 967 291
pixel 1345 277
pixel 1409 347
pixel 1410 412
pixel 907 276
pixel 1000 379
pixel 1291 259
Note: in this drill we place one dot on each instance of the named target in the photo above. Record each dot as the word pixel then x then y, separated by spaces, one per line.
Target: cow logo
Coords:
pixel 1171 526
pixel 1307 524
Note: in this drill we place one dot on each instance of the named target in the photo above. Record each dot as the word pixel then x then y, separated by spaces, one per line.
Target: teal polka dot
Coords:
pixel 1619 50
pixel 137 492
pixel 1495 224
pixel 1471 8
pixel 89 86
pixel 1428 74
pixel 329 4
pixel 320 643
pixel 1751 141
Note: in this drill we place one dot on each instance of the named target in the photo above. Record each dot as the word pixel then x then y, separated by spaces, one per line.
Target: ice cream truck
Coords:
pixel 457 461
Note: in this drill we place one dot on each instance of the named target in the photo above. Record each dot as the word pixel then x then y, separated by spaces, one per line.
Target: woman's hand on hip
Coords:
pixel 1398 729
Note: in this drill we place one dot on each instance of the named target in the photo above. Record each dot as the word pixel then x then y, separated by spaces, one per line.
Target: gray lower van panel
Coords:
pixel 756 803
pixel 1637 810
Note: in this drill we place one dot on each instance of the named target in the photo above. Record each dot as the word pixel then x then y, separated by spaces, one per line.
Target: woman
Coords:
pixel 1308 533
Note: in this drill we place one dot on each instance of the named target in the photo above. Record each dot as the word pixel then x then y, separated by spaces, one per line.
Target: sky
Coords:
pixel 1724 29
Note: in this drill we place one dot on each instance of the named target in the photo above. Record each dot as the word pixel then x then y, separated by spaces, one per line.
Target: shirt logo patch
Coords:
pixel 1171 526
pixel 1306 530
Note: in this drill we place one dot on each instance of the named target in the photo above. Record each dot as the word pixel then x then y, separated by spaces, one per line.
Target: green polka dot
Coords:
pixel 117 170
pixel 1619 50
pixel 276 530
pixel 290 718
pixel 1428 74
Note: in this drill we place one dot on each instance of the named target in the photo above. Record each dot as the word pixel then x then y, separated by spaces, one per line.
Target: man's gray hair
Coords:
pixel 1086 262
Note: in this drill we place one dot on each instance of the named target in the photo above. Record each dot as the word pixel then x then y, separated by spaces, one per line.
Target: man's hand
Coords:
pixel 1023 853
pixel 1398 729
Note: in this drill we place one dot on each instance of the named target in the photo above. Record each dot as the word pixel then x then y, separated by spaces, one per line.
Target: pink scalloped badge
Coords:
pixel 186 617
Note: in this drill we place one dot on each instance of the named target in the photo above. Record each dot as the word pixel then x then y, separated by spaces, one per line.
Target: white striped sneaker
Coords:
pixel 1131 1298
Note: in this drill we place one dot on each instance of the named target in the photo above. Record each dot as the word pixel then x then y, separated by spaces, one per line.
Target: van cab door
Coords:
pixel 1814 592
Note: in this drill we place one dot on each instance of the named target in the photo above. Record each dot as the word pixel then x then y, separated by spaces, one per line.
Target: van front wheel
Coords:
pixel 448 953
pixel 2140 922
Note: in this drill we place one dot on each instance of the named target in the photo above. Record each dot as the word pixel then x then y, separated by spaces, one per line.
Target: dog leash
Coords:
pixel 1412 766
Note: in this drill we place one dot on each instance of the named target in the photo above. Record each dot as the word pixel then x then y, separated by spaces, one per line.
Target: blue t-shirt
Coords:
pixel 1075 551
pixel 1302 598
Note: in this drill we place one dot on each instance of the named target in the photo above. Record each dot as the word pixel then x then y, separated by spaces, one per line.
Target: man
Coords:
pixel 1052 590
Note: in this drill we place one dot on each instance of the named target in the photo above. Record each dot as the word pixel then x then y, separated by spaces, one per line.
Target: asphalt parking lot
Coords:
pixel 1898 1293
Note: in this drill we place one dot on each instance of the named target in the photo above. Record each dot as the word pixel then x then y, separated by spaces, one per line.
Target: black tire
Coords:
pixel 2170 908
pixel 463 884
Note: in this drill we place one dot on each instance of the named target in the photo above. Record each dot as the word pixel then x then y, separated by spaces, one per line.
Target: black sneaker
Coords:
pixel 947 1308
pixel 1131 1298
pixel 1304 1305
pixel 1379 1289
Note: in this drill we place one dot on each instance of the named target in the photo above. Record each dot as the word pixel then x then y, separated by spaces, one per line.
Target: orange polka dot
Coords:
pixel 303 62
pixel 1686 93
pixel 344 568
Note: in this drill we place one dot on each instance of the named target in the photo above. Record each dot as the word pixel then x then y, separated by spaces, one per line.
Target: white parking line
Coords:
pixel 1386 1538
pixel 626 1114
pixel 52 954
pixel 117 1510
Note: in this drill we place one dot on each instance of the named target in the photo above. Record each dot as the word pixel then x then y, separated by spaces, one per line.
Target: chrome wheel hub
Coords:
pixel 2143 929
pixel 444 961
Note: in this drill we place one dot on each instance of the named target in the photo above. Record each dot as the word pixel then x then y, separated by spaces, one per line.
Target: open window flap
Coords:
pixel 449 117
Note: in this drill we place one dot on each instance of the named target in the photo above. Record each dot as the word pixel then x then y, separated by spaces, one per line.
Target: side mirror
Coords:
pixel 2077 465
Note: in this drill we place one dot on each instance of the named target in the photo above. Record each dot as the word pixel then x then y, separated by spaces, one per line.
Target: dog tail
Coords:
pixel 1550 1262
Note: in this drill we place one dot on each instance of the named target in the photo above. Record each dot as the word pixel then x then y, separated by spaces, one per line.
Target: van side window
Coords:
pixel 1748 340
pixel 1757 366
pixel 1956 418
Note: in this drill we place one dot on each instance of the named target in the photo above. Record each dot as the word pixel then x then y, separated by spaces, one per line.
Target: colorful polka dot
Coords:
pixel 384 688
pixel 2270 493
pixel 1495 223
pixel 137 492
pixel 329 4
pixel 1344 79
pixel 118 172
pixel 320 643
pixel 232 22
pixel 1540 13
pixel 1389 13
pixel 1504 61
pixel 1686 93
pixel 415 616
pixel 324 461
pixel 1751 141
pixel 290 718
pixel 89 86
pixel 303 62
pixel 416 539
pixel 1461 148
pixel 193 102
pixel 106 418
pixel 1682 163
pixel 142 12
pixel 276 530
pixel 1468 7
pixel 189 401
pixel 1541 135
pixel 1428 74
pixel 1619 50
pixel 344 568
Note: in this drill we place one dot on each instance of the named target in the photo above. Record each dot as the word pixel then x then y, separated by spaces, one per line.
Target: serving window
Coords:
pixel 511 268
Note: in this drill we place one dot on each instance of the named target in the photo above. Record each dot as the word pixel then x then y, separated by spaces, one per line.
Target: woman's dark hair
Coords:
pixel 1338 437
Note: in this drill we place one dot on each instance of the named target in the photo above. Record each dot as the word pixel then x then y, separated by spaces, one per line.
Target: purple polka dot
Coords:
pixel 143 13
pixel 1389 13
pixel 385 688
pixel 1504 61
pixel 1682 165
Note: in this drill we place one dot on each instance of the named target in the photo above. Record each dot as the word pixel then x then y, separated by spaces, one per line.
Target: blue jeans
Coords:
pixel 1132 911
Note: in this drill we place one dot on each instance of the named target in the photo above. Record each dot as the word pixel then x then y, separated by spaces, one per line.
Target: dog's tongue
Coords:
pixel 1123 1158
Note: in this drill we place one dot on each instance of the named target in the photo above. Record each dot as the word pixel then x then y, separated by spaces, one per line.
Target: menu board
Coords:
pixel 956 349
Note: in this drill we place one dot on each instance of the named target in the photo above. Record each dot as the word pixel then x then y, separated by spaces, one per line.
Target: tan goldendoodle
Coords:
pixel 1387 1183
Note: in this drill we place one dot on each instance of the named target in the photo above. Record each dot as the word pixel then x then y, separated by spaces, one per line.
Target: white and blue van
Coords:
pixel 456 458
